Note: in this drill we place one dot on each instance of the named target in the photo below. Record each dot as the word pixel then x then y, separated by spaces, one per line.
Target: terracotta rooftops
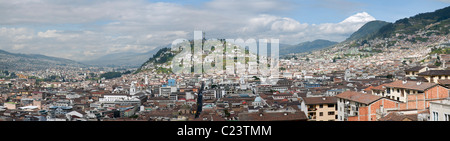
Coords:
pixel 444 81
pixel 435 73
pixel 399 117
pixel 320 100
pixel 417 68
pixel 379 87
pixel 358 97
pixel 277 116
pixel 413 85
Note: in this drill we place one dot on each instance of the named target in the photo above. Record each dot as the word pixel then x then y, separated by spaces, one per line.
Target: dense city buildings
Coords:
pixel 398 73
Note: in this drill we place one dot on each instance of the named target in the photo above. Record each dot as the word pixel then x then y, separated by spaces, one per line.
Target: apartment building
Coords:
pixel 415 94
pixel 434 75
pixel 356 106
pixel 320 108
pixel 414 71
pixel 440 110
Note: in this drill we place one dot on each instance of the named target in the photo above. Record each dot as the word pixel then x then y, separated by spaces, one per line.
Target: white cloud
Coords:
pixel 359 18
pixel 18 46
pixel 59 35
pixel 113 26
pixel 291 31
pixel 252 6
pixel 49 34
pixel 446 1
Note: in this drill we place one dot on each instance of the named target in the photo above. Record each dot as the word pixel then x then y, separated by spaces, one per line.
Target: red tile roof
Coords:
pixel 444 81
pixel 413 85
pixel 320 100
pixel 380 87
pixel 435 73
pixel 358 97
pixel 279 116
pixel 399 117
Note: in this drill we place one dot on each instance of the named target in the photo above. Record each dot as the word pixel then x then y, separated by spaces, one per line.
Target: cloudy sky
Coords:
pixel 87 29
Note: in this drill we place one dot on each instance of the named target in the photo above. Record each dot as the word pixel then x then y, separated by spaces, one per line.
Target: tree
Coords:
pixel 111 75
pixel 13 75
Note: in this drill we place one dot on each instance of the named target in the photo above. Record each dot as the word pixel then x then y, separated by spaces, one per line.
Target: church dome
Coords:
pixel 258 99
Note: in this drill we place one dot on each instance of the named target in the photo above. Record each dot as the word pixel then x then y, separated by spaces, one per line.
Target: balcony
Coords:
pixel 312 117
pixel 312 109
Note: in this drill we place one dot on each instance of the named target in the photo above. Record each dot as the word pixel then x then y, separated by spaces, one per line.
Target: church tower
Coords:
pixel 132 89
pixel 146 80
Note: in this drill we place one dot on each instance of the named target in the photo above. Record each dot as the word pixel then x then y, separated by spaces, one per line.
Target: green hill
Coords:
pixel 437 20
pixel 367 30
pixel 33 62
pixel 163 56
pixel 305 46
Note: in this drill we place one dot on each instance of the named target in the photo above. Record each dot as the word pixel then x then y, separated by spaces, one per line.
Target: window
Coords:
pixel 321 114
pixel 321 105
pixel 388 90
pixel 435 116
pixel 447 117
pixel 330 113
pixel 330 105
pixel 398 90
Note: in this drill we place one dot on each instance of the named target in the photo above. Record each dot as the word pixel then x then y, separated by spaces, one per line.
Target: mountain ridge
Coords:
pixel 305 46
pixel 415 23
pixel 26 62
pixel 367 30
pixel 123 59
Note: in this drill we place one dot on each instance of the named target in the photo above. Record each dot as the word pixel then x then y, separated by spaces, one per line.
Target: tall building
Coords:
pixel 132 89
pixel 440 110
pixel 146 80
pixel 320 108
pixel 356 106
pixel 171 83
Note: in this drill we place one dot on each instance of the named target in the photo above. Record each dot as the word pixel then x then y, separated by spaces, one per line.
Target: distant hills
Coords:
pixel 31 62
pixel 369 29
pixel 123 59
pixel 434 23
pixel 163 56
pixel 305 46
pixel 437 20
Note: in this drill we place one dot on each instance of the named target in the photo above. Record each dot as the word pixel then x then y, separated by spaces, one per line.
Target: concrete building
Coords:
pixel 320 108
pixel 166 91
pixel 356 106
pixel 418 69
pixel 11 105
pixel 415 95
pixel 434 75
pixel 440 110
